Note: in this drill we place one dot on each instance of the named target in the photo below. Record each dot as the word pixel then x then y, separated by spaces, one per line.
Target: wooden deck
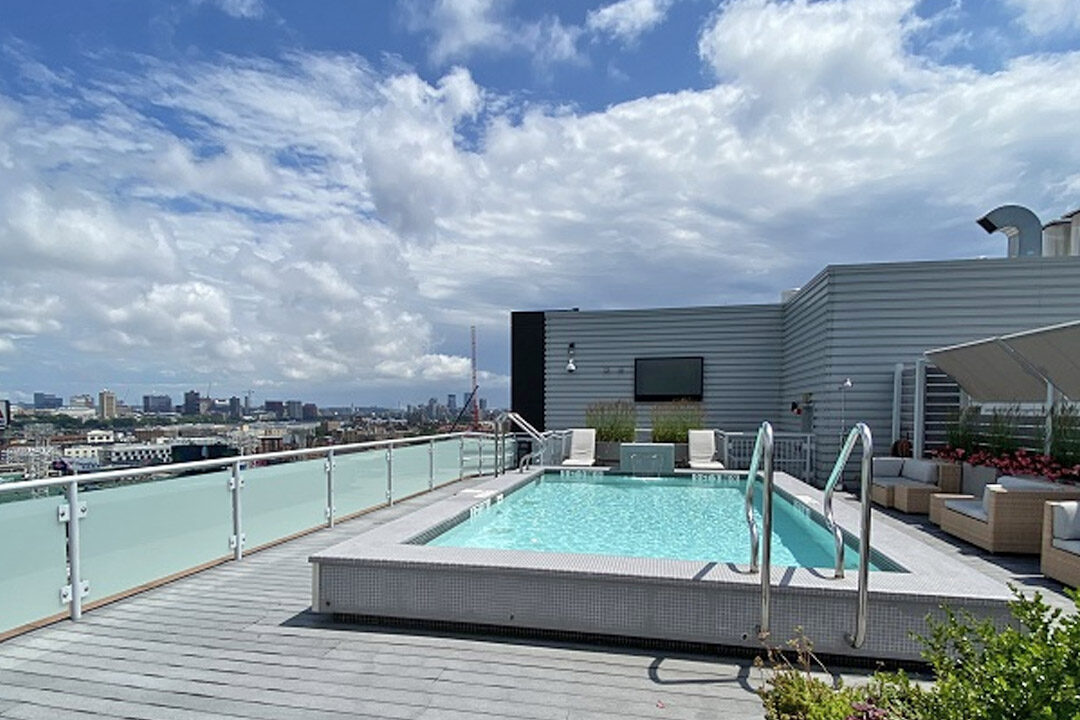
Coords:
pixel 237 641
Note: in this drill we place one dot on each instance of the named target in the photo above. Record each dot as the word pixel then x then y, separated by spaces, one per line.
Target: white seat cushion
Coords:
pixel 1011 482
pixel 1067 520
pixel 925 471
pixel 1069 546
pixel 710 465
pixel 971 508
pixel 888 466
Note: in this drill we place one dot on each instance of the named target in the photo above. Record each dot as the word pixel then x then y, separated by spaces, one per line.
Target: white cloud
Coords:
pixel 246 9
pixel 791 49
pixel 318 224
pixel 626 20
pixel 1048 17
pixel 463 28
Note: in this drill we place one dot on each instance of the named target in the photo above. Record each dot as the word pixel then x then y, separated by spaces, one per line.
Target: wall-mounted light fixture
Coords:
pixel 844 387
pixel 570 366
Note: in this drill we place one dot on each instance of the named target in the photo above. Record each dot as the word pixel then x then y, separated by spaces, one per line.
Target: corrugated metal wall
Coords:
pixel 741 346
pixel 853 321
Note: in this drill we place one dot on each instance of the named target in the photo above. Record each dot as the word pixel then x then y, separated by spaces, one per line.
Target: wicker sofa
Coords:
pixel 908 483
pixel 1009 516
pixel 1061 542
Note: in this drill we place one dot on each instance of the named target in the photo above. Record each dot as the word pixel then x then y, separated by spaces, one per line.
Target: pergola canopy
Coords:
pixel 1016 367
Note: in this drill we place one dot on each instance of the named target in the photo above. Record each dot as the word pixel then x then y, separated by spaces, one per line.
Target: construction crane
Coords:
pixel 475 387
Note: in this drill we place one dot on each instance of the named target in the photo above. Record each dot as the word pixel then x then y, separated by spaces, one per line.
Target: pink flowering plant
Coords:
pixel 1017 462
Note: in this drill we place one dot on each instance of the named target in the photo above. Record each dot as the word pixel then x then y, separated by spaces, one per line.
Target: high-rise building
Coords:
pixel 310 411
pixel 81 401
pixel 234 407
pixel 191 402
pixel 294 409
pixel 157 404
pixel 106 404
pixel 451 402
pixel 47 401
pixel 275 406
pixel 483 404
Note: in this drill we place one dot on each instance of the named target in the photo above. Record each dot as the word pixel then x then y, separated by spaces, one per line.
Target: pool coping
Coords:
pixel 347 578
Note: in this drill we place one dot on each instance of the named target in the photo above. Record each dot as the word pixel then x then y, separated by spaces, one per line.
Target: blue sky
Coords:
pixel 316 200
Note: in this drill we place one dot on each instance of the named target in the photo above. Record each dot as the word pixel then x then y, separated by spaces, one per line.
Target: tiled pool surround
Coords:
pixel 385 573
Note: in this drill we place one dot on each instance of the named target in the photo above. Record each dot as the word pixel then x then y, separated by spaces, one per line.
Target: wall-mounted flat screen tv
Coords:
pixel 668 378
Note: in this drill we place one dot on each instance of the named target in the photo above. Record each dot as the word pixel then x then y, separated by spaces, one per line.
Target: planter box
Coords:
pixel 607 452
pixel 976 478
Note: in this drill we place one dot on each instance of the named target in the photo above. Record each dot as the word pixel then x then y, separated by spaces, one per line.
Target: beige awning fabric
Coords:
pixel 1016 367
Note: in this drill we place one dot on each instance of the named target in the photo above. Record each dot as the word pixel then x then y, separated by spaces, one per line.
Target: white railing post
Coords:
pixel 77 589
pixel 390 474
pixel 461 457
pixel 919 430
pixel 330 488
pixel 431 465
pixel 236 482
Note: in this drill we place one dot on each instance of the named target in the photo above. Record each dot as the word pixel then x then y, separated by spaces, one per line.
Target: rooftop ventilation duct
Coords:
pixel 1020 225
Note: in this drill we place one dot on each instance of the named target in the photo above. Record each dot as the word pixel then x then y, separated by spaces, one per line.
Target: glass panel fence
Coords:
pixel 359 481
pixel 282 500
pixel 410 470
pixel 33 561
pixel 135 534
pixel 447 461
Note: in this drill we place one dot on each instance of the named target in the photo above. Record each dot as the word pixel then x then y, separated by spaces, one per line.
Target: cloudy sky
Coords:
pixel 316 200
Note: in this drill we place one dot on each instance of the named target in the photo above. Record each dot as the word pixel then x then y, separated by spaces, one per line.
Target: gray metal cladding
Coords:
pixel 741 346
pixel 853 321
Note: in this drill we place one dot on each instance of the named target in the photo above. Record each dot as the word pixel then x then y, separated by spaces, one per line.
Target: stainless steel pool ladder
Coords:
pixel 511 419
pixel 762 455
pixel 858 433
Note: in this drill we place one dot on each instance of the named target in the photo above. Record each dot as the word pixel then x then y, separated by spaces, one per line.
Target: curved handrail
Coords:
pixel 859 433
pixel 763 455
pixel 751 478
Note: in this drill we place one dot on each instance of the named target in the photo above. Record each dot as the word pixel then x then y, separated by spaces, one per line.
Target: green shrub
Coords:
pixel 1029 670
pixel 1065 434
pixel 962 430
pixel 613 421
pixel 671 421
pixel 1001 432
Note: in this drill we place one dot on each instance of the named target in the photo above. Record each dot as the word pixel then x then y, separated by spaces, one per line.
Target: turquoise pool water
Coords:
pixel 685 518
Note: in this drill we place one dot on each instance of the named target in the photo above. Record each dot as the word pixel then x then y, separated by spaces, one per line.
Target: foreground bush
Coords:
pixel 983 672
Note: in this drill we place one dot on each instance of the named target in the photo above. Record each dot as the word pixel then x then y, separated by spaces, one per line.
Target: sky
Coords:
pixel 316 200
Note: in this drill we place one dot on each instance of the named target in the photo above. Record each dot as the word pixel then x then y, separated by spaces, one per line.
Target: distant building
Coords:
pixel 310 411
pixel 157 404
pixel 137 454
pixel 81 401
pixel 234 408
pixel 275 406
pixel 451 402
pixel 83 452
pixel 100 437
pixel 106 405
pixel 191 403
pixel 483 404
pixel 294 409
pixel 47 401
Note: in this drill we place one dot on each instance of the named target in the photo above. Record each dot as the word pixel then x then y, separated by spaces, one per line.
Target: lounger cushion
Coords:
pixel 1011 482
pixel 1069 546
pixel 887 467
pixel 971 508
pixel 1067 521
pixel 925 471
pixel 706 465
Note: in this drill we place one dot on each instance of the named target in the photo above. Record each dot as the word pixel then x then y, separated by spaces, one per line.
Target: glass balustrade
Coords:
pixel 359 481
pixel 33 561
pixel 282 500
pixel 410 470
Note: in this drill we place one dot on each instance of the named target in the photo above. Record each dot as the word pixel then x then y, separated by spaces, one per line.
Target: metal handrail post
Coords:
pixel 479 456
pixel 74 550
pixel 830 488
pixel 766 528
pixel 235 483
pixel 751 481
pixel 431 465
pixel 863 607
pixel 330 488
pixel 461 458
pixel 389 474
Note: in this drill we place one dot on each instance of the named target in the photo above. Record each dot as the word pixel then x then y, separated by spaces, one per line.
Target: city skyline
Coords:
pixel 322 202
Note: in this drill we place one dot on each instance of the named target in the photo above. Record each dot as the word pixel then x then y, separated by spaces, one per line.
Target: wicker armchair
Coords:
pixel 1061 542
pixel 1008 518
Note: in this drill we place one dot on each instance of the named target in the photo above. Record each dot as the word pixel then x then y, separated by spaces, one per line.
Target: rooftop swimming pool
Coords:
pixel 687 517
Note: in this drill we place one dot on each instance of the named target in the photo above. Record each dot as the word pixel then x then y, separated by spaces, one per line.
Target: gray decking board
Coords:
pixel 216 645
